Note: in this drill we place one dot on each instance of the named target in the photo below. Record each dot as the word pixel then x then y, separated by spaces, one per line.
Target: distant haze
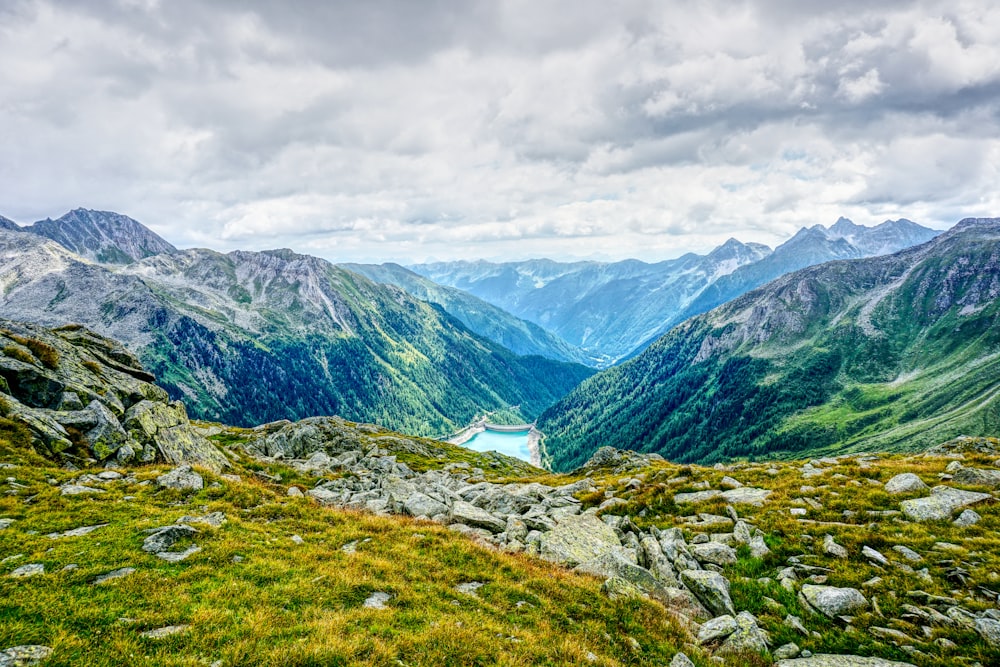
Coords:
pixel 404 131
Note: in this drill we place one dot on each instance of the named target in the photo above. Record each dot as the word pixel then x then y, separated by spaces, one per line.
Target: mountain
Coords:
pixel 604 309
pixel 102 236
pixel 614 311
pixel 891 352
pixel 7 223
pixel 252 337
pixel 490 322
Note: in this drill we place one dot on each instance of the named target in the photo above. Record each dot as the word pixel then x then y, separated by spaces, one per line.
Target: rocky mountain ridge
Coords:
pixel 615 310
pixel 882 353
pixel 254 337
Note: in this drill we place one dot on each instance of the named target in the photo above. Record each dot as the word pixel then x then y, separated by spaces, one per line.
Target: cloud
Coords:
pixel 392 130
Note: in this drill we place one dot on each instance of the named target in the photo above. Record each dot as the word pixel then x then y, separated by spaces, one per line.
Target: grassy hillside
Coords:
pixel 884 353
pixel 255 596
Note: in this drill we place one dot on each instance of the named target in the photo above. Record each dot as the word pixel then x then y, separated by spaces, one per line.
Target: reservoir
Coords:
pixel 511 444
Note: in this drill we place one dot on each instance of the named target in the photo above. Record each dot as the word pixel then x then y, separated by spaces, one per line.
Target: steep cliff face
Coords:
pixel 889 352
pixel 82 396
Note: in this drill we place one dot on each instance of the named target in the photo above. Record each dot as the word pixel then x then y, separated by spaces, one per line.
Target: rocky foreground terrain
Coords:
pixel 329 542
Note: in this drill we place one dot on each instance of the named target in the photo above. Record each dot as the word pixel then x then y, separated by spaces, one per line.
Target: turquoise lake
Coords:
pixel 511 444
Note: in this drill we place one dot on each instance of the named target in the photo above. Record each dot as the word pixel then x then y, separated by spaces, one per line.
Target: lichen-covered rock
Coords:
pixel 578 539
pixel 470 515
pixel 24 656
pixel 711 589
pixel 977 477
pixel 832 601
pixel 747 638
pixel 182 478
pixel 905 482
pixel 830 660
pixel 941 504
pixel 84 395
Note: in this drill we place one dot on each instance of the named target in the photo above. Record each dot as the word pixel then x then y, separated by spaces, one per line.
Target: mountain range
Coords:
pixel 252 337
pixel 883 353
pixel 614 310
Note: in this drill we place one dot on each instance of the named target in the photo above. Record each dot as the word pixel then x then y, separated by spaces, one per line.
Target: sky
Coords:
pixel 394 130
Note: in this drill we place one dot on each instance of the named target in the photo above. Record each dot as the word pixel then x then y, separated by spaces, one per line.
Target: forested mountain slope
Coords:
pixel 250 337
pixel 882 353
pixel 481 317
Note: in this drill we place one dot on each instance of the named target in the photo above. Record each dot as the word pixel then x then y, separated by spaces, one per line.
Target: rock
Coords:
pixel 76 532
pixel 681 660
pixel 178 556
pixel 470 515
pixel 6 523
pixel 182 478
pixel 295 492
pixel 989 630
pixel 164 537
pixel 324 495
pixel 906 482
pixel 967 518
pixel 715 553
pixel 941 504
pixel 748 637
pixel 617 588
pixel 377 600
pixel 78 489
pixel 874 556
pixel 614 564
pixel 160 633
pixel 908 553
pixel 213 519
pixel 831 601
pixel 730 483
pixel 29 570
pixel 24 656
pixel 831 660
pixel 711 589
pixel 113 574
pixel 164 427
pixel 746 495
pixel 717 628
pixel 420 504
pixel 977 477
pixel 297 539
pixel 578 539
pixel 785 651
pixel 831 548
pixel 696 496
pixel 470 588
pixel 758 547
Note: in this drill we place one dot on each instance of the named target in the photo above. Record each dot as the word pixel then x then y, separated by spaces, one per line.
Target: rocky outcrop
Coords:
pixel 85 397
pixel 942 503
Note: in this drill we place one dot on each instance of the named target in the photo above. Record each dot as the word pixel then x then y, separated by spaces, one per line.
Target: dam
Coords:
pixel 518 440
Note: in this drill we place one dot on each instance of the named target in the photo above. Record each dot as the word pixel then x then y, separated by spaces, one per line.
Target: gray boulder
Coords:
pixel 165 537
pixel 470 515
pixel 717 628
pixel 906 482
pixel 941 504
pixel 989 630
pixel 578 539
pixel 24 656
pixel 715 553
pixel 831 601
pixel 830 660
pixel 967 518
pixel 420 504
pixel 977 477
pixel 747 638
pixel 183 478
pixel 711 589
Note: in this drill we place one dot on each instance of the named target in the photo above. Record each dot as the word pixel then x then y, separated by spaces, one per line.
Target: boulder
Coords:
pixel 906 482
pixel 748 637
pixel 182 478
pixel 977 477
pixel 831 548
pixel 717 628
pixel 470 515
pixel 711 589
pixel 164 537
pixel 614 564
pixel 578 539
pixel 831 601
pixel 715 553
pixel 967 518
pixel 941 504
pixel 830 660
pixel 165 428
pixel 989 630
pixel 420 504
pixel 24 656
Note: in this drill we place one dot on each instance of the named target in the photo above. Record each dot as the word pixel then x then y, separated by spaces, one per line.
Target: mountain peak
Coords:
pixel 7 223
pixel 102 236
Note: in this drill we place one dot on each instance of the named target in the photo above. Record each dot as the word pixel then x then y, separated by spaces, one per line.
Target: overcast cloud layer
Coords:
pixel 381 130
